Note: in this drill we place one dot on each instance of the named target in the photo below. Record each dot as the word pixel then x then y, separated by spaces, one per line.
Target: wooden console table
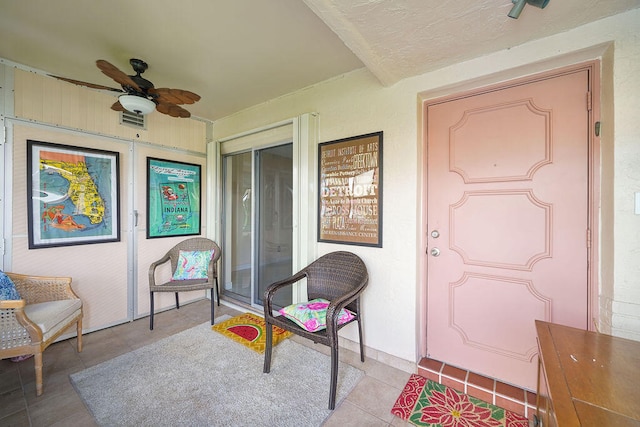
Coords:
pixel 586 378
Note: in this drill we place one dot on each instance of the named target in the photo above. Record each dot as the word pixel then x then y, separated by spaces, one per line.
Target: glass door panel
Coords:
pixel 237 237
pixel 258 228
pixel 275 228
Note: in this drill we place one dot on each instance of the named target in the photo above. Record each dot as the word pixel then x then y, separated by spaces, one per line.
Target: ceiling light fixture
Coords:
pixel 518 5
pixel 137 104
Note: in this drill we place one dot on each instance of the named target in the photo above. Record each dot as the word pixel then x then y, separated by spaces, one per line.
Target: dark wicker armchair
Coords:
pixel 340 278
pixel 210 282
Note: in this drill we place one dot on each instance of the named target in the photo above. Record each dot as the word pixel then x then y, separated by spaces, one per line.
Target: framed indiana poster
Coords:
pixel 173 198
pixel 350 193
pixel 72 195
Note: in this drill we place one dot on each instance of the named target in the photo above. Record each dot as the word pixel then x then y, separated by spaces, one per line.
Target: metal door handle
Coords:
pixel 435 252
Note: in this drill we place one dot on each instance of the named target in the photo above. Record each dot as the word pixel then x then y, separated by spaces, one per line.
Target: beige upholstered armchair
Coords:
pixel 47 308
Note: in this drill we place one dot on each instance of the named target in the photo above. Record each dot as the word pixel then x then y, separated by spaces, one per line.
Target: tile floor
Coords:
pixel 518 400
pixel 368 404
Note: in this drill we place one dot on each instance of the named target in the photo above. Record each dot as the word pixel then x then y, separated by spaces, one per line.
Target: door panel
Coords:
pixel 275 229
pixel 237 235
pixel 150 250
pixel 507 209
pixel 258 228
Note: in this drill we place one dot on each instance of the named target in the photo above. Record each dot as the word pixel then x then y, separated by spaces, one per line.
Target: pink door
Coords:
pixel 507 209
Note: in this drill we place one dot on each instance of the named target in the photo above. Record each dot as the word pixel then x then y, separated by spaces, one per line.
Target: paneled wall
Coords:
pixel 111 278
pixel 47 100
pixel 99 271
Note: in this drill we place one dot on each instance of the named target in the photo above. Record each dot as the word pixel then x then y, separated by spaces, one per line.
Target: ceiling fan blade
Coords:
pixel 172 110
pixel 174 96
pixel 91 85
pixel 117 106
pixel 117 75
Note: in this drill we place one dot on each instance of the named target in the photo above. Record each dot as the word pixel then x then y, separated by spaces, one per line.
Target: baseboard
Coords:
pixel 380 356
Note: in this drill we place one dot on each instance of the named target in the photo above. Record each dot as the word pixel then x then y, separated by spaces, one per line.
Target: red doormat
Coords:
pixel 248 329
pixel 426 403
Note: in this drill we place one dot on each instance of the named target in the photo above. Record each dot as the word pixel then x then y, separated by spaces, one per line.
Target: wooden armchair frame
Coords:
pixel 19 334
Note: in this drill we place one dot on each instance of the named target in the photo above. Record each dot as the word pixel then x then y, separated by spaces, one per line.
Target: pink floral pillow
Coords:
pixel 312 315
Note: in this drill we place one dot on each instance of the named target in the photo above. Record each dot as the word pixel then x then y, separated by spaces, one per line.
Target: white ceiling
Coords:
pixel 238 53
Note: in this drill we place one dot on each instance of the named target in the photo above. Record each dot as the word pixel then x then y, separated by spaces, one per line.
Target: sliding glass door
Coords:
pixel 257 222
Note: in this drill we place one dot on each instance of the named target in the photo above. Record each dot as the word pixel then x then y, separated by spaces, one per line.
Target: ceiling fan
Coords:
pixel 138 94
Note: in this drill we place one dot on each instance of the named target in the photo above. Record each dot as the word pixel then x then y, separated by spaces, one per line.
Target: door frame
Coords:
pixel 304 134
pixel 489 84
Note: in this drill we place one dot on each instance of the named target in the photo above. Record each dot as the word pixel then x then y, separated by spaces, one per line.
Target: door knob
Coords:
pixel 435 252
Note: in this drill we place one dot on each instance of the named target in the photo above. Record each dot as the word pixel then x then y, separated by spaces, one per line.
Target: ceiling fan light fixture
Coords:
pixel 137 104
pixel 138 95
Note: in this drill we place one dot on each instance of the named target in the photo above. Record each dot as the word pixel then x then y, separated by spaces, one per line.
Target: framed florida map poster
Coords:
pixel 72 195
pixel 173 198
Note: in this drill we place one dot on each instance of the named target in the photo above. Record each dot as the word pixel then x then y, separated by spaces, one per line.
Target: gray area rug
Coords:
pixel 201 378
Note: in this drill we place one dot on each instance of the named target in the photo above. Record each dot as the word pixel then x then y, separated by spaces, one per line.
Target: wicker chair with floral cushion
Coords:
pixel 334 284
pixel 34 314
pixel 193 268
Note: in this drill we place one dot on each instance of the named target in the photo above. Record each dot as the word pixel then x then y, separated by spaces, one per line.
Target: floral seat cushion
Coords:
pixel 312 315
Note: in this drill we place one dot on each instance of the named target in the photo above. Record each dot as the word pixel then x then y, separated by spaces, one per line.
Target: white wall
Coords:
pixel 356 104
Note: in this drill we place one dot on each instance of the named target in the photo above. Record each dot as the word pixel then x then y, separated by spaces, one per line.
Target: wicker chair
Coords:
pixel 339 277
pixel 210 282
pixel 47 309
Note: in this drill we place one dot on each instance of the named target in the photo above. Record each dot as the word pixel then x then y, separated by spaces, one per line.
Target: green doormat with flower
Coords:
pixel 426 403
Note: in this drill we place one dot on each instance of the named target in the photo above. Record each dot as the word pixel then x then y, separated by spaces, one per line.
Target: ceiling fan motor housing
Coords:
pixel 139 66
